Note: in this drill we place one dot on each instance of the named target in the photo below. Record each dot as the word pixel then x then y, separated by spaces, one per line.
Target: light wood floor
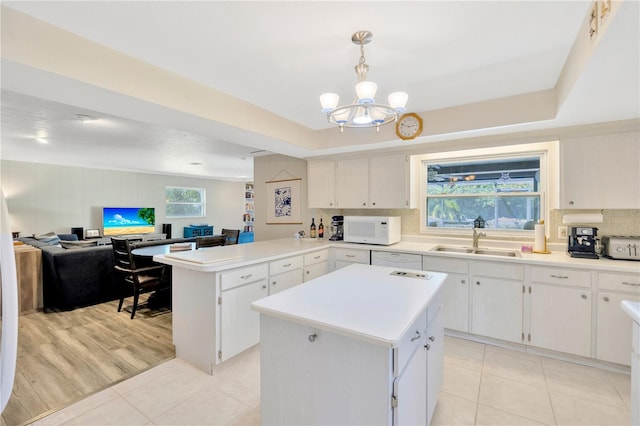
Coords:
pixel 65 356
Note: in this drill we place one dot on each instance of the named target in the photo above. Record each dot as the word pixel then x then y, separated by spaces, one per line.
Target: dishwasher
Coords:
pixel 397 260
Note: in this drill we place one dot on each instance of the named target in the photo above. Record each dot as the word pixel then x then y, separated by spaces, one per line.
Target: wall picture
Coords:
pixel 283 206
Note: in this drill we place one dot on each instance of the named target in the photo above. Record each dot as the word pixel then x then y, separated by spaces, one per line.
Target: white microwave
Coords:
pixel 384 230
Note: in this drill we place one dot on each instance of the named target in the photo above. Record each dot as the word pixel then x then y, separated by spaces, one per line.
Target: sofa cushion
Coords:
pixel 50 238
pixel 78 244
pixel 68 237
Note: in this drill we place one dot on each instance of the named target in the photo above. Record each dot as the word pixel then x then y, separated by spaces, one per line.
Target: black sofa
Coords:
pixel 83 276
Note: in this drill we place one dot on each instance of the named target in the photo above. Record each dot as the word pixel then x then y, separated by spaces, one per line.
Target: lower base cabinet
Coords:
pixel 614 328
pixel 560 319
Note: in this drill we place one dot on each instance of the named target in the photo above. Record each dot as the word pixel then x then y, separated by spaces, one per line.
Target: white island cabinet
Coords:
pixel 361 345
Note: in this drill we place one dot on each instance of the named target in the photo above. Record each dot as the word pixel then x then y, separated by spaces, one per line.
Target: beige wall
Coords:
pixel 43 198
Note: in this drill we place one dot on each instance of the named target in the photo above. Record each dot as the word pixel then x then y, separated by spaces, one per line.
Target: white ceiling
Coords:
pixel 280 56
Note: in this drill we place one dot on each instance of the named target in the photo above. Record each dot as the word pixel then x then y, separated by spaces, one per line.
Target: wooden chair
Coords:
pixel 232 236
pixel 210 241
pixel 141 280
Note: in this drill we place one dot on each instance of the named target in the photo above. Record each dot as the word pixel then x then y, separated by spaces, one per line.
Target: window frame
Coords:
pixel 548 189
pixel 203 202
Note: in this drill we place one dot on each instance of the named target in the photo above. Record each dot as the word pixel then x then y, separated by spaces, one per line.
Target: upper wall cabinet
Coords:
pixel 600 172
pixel 321 180
pixel 376 183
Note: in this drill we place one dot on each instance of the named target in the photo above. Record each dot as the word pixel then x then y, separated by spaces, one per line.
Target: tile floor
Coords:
pixel 483 385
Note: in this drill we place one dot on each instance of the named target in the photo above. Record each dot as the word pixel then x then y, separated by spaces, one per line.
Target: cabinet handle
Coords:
pixel 432 338
pixel 244 277
pixel 330 204
pixel 308 272
pixel 274 282
pixel 374 204
pixel 349 255
pixel 286 266
pixel 606 299
pixel 416 337
pixel 364 204
pixel 477 282
pixel 312 337
pixel 584 296
pixel 264 286
pixel 632 284
pixel 427 346
pixel 563 277
pixel 463 281
pixel 316 257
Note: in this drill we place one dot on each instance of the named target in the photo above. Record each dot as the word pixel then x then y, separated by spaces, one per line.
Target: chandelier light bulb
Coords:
pixel 362 116
pixel 398 101
pixel 366 91
pixel 329 101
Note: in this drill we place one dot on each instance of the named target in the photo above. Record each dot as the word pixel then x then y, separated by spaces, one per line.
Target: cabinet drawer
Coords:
pixel 413 338
pixel 572 277
pixel 316 257
pixel 498 270
pixel 353 256
pixel 442 264
pixel 620 282
pixel 283 265
pixel 241 276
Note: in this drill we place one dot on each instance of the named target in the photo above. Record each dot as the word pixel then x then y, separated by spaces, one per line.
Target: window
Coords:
pixel 185 202
pixel 506 191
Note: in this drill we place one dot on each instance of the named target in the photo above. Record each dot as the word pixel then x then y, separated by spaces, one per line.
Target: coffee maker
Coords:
pixel 583 242
pixel 337 228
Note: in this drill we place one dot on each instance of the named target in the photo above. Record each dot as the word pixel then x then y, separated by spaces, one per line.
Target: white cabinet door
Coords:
pixel 389 182
pixel 600 172
pixel 613 336
pixel 496 308
pixel 435 361
pixel 321 184
pixel 284 281
pixel 352 183
pixel 456 302
pixel 561 319
pixel 316 270
pixel 410 389
pixel 240 326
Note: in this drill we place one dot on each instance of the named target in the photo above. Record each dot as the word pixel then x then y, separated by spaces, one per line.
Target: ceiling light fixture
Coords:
pixel 85 118
pixel 363 111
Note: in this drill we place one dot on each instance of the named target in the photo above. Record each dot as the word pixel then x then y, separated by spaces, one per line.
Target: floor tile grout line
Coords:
pixel 546 383
pixel 484 352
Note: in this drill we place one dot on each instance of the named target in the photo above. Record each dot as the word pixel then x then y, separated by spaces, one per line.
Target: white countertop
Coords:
pixel 360 301
pixel 632 309
pixel 215 259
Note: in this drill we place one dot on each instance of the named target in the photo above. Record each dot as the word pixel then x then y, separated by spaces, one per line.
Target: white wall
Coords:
pixel 275 167
pixel 43 198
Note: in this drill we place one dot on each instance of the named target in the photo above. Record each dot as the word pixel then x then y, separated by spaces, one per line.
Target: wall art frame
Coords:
pixel 283 202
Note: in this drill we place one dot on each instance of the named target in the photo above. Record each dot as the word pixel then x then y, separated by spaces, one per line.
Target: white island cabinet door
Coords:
pixel 410 389
pixel 435 360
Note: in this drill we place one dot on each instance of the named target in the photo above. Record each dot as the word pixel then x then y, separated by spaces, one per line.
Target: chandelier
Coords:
pixel 363 111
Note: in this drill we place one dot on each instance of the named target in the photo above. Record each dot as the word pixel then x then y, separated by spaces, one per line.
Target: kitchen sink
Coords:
pixel 480 251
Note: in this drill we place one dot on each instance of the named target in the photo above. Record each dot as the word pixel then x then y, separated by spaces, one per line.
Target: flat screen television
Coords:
pixel 128 220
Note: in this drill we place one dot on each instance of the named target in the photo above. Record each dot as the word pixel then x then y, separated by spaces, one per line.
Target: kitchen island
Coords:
pixel 361 345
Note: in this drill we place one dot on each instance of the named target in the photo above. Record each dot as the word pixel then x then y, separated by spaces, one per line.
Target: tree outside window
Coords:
pixel 185 202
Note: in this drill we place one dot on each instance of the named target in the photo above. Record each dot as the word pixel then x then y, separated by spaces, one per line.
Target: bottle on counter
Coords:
pixel 312 230
pixel 321 229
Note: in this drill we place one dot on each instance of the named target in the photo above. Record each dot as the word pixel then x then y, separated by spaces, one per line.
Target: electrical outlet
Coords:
pixel 562 232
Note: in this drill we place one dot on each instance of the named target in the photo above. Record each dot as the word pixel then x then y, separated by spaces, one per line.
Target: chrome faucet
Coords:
pixel 476 237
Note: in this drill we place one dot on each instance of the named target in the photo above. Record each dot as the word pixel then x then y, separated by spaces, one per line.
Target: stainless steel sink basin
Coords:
pixel 451 249
pixel 480 251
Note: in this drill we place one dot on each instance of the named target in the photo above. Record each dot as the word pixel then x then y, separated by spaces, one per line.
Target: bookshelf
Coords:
pixel 248 207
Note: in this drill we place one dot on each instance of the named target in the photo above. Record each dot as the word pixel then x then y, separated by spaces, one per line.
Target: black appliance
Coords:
pixel 583 242
pixel 337 228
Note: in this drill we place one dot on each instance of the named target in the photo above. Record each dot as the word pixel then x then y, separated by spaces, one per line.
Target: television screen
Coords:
pixel 128 220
